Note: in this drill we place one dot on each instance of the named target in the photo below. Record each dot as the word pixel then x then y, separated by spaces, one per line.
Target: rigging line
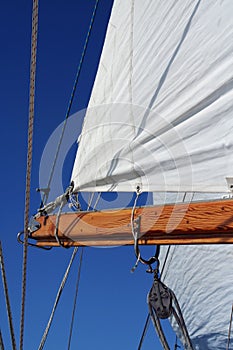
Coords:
pixel 75 297
pixel 161 274
pixel 229 330
pixel 176 346
pixel 158 327
pixel 29 160
pixel 165 260
pixel 174 247
pixel 97 200
pixel 134 233
pixel 90 199
pixel 169 247
pixel 144 331
pixel 146 326
pixel 1 341
pixel 135 227
pixel 4 280
pixel 72 96
pixel 181 323
pixel 44 337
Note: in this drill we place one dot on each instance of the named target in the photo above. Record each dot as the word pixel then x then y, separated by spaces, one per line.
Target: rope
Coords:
pixel 162 270
pixel 29 160
pixel 176 346
pixel 181 323
pixel 135 226
pixel 72 97
pixel 229 331
pixel 158 327
pixel 44 337
pixel 148 316
pixel 4 280
pixel 75 297
pixel 1 341
pixel 165 260
pixel 135 234
pixel 132 213
pixel 90 199
pixel 97 200
pixel 145 329
pixel 61 244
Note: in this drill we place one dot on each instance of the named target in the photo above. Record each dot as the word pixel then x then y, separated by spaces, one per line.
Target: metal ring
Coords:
pixel 30 244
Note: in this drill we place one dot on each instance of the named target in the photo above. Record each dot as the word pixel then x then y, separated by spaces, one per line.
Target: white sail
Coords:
pixel 160 114
pixel 201 277
pixel 161 117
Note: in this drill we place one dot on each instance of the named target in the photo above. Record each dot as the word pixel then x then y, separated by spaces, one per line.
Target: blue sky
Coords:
pixel 112 307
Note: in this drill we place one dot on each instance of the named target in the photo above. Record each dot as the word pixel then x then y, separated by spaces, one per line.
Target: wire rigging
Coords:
pixel 44 337
pixel 9 313
pixel 29 160
pixel 45 196
pixel 75 298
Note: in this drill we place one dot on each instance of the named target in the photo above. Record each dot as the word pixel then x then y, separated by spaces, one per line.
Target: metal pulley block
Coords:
pixel 160 299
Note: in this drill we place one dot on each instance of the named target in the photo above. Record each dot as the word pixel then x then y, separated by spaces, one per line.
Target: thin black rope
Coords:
pixel 1 341
pixel 8 307
pixel 75 297
pixel 176 311
pixel 146 326
pixel 229 330
pixel 144 331
pixel 165 260
pixel 161 274
pixel 176 346
pixel 29 160
pixel 44 337
pixel 157 326
pixel 45 196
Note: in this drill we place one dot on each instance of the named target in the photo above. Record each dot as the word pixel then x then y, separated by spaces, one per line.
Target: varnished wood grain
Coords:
pixel 195 223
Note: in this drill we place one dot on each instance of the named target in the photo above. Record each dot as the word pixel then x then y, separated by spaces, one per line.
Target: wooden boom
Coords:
pixel 194 223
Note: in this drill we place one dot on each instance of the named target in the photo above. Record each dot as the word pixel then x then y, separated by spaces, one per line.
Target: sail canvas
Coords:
pixel 162 96
pixel 160 119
